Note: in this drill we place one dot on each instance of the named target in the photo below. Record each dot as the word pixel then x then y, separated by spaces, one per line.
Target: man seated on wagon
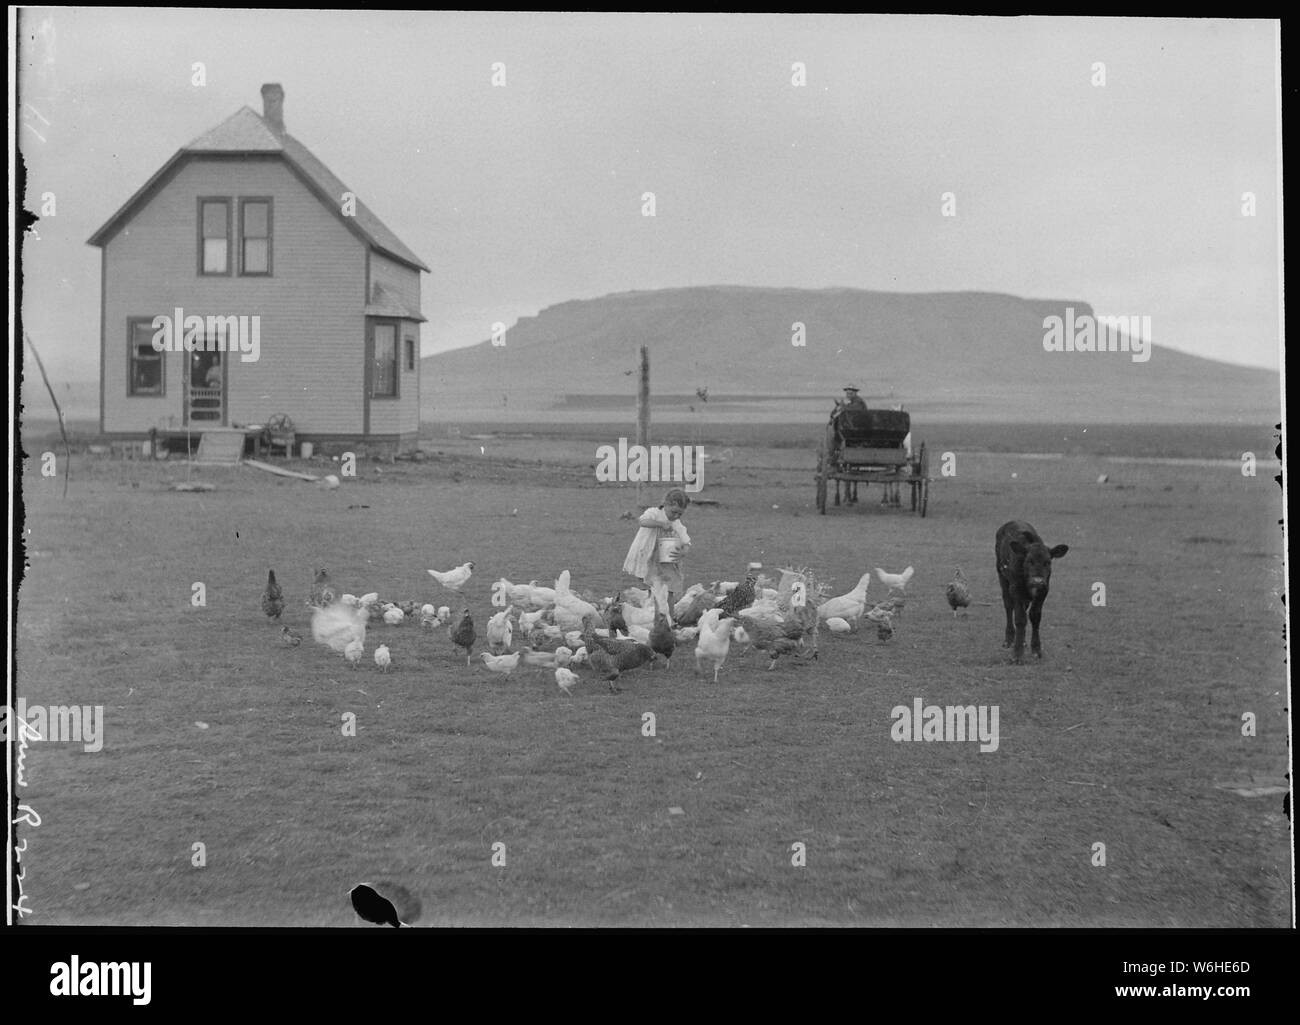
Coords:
pixel 851 400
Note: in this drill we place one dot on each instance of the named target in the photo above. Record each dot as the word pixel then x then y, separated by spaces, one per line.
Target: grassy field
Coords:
pixel 1122 735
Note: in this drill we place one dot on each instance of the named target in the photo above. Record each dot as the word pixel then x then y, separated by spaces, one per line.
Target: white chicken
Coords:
pixel 848 606
pixel 529 620
pixel 895 581
pixel 383 659
pixel 453 579
pixel 500 631
pixel 580 656
pixel 561 656
pixel 503 665
pixel 836 625
pixel 338 625
pixel 683 603
pixel 569 608
pixel 638 616
pixel 714 641
pixel 526 595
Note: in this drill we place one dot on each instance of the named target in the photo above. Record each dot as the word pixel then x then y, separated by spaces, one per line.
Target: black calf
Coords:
pixel 1024 571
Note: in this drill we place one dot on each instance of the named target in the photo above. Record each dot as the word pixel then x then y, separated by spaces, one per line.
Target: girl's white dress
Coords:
pixel 641 559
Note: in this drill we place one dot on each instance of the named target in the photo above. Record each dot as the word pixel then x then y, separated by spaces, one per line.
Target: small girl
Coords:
pixel 649 561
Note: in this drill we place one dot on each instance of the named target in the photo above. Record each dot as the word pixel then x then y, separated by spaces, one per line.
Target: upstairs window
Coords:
pixel 410 354
pixel 255 236
pixel 144 373
pixel 214 236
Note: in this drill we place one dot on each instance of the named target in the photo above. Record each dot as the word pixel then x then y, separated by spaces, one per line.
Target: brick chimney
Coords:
pixel 273 106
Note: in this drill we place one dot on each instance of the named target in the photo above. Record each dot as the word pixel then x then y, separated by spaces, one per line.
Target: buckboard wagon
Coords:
pixel 872 447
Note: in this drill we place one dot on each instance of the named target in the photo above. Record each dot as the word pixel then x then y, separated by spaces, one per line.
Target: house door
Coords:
pixel 382 374
pixel 205 390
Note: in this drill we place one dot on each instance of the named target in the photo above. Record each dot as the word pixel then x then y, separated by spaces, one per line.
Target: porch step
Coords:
pixel 221 447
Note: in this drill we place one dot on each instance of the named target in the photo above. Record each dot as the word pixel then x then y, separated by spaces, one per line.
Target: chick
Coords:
pixel 462 634
pixel 382 657
pixel 289 637
pixel 394 616
pixel 353 652
pixel 272 597
pixel 566 678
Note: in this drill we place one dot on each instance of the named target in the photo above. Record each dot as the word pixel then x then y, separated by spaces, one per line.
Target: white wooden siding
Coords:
pixel 312 326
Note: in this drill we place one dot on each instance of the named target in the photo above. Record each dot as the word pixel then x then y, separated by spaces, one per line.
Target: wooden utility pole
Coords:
pixel 67 449
pixel 643 410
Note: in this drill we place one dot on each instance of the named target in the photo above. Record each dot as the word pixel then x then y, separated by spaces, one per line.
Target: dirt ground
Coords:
pixel 1128 734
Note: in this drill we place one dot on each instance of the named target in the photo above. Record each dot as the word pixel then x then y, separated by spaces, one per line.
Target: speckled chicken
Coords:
pixel 610 666
pixel 592 640
pixel 741 596
pixel 775 638
pixel 617 624
pixel 662 638
pixel 958 592
pixel 322 591
pixel 462 634
pixel 272 597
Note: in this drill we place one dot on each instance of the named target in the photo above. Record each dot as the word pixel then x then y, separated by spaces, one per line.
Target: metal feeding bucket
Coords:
pixel 668 548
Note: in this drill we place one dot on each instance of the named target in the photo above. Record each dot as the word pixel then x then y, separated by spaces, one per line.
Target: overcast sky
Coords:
pixel 1127 195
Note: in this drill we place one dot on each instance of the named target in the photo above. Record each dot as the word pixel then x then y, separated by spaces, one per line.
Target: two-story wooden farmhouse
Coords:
pixel 245 280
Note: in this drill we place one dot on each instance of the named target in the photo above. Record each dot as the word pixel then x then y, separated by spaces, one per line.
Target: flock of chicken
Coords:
pixel 561 631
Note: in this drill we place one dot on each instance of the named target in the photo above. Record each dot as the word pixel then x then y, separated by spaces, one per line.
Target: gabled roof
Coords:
pixel 246 133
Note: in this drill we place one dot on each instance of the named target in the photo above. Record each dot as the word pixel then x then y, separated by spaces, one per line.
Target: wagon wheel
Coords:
pixel 925 480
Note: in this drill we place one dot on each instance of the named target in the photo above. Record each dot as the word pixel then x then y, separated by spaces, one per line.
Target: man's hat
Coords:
pixel 849 387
